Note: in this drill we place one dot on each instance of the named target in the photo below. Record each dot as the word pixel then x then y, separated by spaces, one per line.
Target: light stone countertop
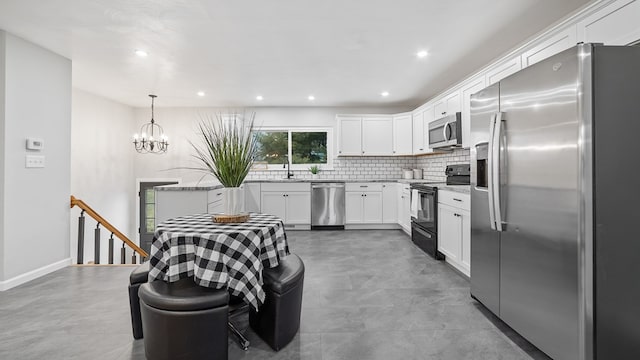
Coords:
pixel 464 189
pixel 206 186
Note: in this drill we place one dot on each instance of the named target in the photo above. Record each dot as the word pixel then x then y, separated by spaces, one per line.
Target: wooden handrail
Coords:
pixel 82 205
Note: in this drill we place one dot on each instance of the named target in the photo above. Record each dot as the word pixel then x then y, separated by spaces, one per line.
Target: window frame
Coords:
pixel 289 131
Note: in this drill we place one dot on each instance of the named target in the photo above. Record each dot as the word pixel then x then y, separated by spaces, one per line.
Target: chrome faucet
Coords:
pixel 287 165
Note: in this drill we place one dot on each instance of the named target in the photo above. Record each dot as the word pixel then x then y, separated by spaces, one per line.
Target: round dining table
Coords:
pixel 219 255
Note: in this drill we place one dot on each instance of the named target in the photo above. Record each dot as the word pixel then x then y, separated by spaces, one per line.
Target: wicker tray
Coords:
pixel 224 218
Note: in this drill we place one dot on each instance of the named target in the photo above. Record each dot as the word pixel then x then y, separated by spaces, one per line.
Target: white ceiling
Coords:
pixel 343 52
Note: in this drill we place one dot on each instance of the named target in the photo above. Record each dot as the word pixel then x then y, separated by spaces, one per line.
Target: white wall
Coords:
pixel 37 94
pixel 102 169
pixel 180 124
pixel 3 37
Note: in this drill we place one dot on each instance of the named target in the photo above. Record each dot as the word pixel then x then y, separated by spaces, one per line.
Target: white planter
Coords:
pixel 233 200
pixel 314 176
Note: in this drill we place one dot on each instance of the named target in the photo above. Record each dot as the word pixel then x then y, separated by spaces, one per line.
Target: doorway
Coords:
pixel 147 207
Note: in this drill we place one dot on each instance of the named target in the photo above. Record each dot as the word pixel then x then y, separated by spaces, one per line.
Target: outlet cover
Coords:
pixel 34 161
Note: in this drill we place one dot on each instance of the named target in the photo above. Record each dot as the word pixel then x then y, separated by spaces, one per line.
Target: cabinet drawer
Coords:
pixel 455 199
pixel 215 207
pixel 286 186
pixel 364 186
pixel 215 195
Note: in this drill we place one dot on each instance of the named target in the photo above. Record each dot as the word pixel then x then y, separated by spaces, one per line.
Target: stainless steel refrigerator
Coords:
pixel 555 202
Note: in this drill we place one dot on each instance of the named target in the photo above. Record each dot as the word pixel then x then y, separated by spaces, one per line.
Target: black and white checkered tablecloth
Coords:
pixel 219 255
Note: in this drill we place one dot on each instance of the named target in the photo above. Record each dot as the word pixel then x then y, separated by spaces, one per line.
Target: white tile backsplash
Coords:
pixel 434 165
pixel 374 167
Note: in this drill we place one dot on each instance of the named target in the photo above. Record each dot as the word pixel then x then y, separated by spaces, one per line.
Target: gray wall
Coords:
pixel 37 95
pixel 102 169
pixel 3 37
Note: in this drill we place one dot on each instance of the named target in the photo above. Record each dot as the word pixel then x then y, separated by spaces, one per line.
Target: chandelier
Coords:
pixel 152 138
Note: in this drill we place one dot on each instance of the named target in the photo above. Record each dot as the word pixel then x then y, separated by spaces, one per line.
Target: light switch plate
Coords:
pixel 34 161
pixel 35 144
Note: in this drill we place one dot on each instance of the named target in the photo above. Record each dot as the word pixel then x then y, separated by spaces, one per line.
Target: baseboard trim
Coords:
pixel 372 227
pixel 34 274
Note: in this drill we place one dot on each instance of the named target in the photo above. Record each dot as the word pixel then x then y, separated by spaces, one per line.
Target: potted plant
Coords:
pixel 314 169
pixel 226 150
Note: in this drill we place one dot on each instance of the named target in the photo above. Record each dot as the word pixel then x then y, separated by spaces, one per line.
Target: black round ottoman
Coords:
pixel 278 319
pixel 182 320
pixel 138 277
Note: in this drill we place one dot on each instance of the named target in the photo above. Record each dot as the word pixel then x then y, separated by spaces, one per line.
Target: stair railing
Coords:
pixel 101 221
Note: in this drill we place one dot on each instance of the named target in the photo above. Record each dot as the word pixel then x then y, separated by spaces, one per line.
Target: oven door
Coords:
pixel 426 217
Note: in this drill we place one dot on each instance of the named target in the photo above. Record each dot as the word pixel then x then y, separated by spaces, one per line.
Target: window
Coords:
pixel 303 146
pixel 272 146
pixel 309 147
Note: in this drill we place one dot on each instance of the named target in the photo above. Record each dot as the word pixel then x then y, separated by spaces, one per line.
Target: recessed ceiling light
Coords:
pixel 384 93
pixel 141 53
pixel 201 93
pixel 422 53
pixel 259 97
pixel 311 97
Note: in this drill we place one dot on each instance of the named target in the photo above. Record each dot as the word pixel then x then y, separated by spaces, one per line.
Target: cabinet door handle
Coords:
pixel 457 199
pixel 340 152
pixel 218 194
pixel 420 149
pixel 365 194
pixel 364 186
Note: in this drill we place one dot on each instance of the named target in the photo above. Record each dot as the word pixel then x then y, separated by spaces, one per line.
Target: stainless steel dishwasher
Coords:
pixel 327 206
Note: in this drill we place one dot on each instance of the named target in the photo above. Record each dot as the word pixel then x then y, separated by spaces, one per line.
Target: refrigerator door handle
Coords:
pixel 490 173
pixel 497 137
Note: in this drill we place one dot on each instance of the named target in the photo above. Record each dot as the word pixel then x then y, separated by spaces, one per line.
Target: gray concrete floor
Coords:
pixel 367 295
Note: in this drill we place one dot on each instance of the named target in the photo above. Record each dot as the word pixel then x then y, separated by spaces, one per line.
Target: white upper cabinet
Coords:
pixel 467 90
pixel 418 132
pixel 349 135
pixel 448 105
pixel 402 134
pixel 615 24
pixel 503 70
pixel 369 135
pixel 377 135
pixel 550 46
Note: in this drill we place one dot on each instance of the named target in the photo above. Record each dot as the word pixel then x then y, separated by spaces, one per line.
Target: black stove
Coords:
pixel 424 214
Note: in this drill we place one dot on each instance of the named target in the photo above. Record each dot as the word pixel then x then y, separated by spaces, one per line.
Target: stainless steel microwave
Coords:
pixel 446 132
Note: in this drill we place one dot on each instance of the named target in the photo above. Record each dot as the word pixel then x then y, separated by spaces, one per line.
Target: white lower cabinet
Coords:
pixel 449 232
pixel 274 203
pixel 363 203
pixel 363 207
pixel 298 208
pixel 252 197
pixel 372 207
pixel 390 203
pixel 454 230
pixel 289 201
pixel 404 207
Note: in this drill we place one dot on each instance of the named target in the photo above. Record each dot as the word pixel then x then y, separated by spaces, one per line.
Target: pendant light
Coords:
pixel 151 139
